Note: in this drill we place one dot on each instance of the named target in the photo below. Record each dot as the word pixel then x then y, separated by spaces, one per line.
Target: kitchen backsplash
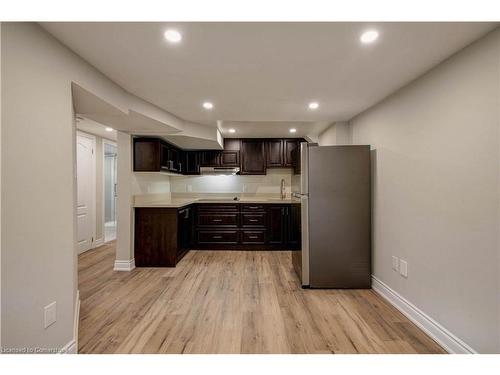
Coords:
pixel 150 183
pixel 265 184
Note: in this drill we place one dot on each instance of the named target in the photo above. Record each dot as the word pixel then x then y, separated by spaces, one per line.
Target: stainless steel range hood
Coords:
pixel 211 171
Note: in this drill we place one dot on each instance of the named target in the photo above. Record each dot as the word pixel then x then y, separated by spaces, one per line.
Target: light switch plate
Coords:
pixel 395 263
pixel 50 313
pixel 403 268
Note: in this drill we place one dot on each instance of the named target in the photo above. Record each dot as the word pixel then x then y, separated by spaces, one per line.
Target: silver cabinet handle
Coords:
pixel 253 220
pixel 217 220
pixel 216 237
pixel 253 207
pixel 252 237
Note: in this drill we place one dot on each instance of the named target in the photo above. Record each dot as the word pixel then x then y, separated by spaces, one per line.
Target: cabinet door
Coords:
pixel 296 160
pixel 231 155
pixel 174 156
pixel 276 225
pixel 191 162
pixel 170 157
pixel 293 227
pixel 156 241
pixel 274 153
pixel 146 155
pixel 164 156
pixel 290 146
pixel 252 156
pixel 185 229
pixel 210 158
pixel 230 158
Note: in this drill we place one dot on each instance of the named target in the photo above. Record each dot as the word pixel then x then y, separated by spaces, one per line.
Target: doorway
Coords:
pixel 85 210
pixel 110 178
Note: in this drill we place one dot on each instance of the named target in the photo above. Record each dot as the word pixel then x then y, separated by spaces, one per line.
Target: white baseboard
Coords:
pixel 76 320
pixel 449 342
pixel 72 346
pixel 69 348
pixel 99 242
pixel 124 265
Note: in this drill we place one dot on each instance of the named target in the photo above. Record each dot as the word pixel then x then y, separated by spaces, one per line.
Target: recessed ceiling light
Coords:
pixel 369 36
pixel 109 129
pixel 173 36
pixel 208 105
pixel 313 105
pixel 293 130
pixel 232 131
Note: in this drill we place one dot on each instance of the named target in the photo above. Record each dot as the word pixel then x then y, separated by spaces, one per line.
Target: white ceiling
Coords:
pixel 265 73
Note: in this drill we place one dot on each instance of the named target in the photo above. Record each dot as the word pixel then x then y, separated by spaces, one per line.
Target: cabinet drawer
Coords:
pixel 253 219
pixel 253 237
pixel 224 219
pixel 217 237
pixel 252 207
pixel 218 207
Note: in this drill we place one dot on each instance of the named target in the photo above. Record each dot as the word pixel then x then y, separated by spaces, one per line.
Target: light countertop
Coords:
pixel 178 202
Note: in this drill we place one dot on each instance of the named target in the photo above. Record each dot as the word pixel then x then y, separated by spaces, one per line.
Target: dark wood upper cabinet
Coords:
pixel 252 155
pixel 230 159
pixel 230 156
pixel 155 155
pixel 289 150
pixel 174 157
pixel 274 153
pixel 210 158
pixel 147 154
pixel 191 162
pixel 253 159
pixel 232 144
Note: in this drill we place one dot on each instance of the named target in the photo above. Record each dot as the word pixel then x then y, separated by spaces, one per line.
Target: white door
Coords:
pixel 85 168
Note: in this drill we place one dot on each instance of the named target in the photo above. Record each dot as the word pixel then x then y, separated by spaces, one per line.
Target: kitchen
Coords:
pixel 317 187
pixel 167 226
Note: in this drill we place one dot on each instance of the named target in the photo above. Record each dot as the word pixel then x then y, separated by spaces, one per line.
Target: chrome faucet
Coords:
pixel 282 189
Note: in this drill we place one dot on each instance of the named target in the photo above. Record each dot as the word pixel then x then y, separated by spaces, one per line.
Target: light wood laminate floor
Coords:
pixel 231 302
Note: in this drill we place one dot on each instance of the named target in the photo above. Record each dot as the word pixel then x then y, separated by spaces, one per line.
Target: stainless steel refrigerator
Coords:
pixel 333 188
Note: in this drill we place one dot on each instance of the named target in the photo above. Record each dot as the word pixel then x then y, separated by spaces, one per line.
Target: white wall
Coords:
pixel 436 191
pixel 125 191
pixel 38 186
pixel 37 193
pixel 265 184
pixel 335 134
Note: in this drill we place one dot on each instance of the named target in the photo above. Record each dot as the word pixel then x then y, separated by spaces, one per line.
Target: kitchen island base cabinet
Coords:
pixel 162 236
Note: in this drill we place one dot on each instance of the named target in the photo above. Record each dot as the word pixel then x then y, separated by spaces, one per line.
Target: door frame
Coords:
pixel 93 173
pixel 103 213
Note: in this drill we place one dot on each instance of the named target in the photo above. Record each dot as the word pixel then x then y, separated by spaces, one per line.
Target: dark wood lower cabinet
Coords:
pixel 277 224
pixel 155 241
pixel 164 235
pixel 294 238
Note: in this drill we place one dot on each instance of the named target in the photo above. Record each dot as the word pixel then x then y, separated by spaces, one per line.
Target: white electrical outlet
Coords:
pixel 190 188
pixel 403 268
pixel 395 263
pixel 50 313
